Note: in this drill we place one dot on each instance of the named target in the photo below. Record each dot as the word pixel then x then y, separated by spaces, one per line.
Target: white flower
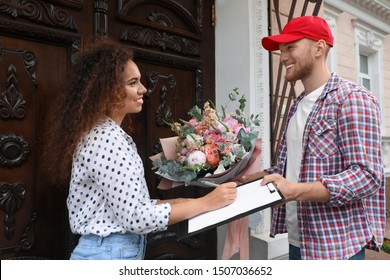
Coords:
pixel 196 157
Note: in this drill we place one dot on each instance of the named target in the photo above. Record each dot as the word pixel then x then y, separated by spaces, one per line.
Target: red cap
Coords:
pixel 310 27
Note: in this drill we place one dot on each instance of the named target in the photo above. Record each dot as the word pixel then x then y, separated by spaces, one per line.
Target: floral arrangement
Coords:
pixel 212 144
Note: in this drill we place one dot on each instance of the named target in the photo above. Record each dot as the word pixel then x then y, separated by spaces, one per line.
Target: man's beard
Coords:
pixel 302 72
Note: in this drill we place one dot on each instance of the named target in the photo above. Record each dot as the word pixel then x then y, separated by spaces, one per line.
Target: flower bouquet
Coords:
pixel 210 147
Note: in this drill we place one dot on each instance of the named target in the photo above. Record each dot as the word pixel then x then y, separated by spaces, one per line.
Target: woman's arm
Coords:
pixel 174 200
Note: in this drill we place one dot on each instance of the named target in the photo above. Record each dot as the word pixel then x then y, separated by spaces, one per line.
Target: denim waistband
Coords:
pixel 113 238
pixel 116 246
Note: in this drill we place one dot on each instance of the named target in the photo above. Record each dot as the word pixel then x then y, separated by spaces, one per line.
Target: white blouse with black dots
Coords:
pixel 108 191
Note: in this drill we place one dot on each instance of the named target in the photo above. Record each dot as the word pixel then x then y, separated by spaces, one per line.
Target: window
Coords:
pixel 364 71
pixel 369 57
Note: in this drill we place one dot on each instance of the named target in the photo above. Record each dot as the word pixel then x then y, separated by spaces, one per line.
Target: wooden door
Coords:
pixel 174 48
pixel 37 42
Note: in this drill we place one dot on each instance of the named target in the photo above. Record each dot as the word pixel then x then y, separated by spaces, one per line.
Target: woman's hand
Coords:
pixel 221 196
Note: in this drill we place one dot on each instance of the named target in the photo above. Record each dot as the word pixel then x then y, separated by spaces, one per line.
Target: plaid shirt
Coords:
pixel 341 149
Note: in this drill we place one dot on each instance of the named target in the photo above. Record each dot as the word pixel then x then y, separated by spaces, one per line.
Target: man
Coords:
pixel 329 164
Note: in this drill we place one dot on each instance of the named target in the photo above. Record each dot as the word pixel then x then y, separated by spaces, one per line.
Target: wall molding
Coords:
pixel 373 12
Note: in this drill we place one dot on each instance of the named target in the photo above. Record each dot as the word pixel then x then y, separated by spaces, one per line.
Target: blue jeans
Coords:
pixel 295 254
pixel 116 246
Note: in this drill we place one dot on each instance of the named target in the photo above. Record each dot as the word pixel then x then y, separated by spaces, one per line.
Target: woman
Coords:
pixel 108 200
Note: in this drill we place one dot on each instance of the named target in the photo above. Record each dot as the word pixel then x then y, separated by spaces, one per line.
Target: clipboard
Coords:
pixel 251 197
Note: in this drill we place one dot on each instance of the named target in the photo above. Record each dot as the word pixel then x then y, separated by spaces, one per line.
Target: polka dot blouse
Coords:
pixel 108 191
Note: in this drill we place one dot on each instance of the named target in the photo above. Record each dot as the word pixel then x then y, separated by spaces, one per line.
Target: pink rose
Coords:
pixel 231 122
pixel 212 138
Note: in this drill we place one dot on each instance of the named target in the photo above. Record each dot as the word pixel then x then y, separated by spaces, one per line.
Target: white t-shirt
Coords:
pixel 294 157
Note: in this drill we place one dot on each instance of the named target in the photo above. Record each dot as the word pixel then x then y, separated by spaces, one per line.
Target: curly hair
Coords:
pixel 94 89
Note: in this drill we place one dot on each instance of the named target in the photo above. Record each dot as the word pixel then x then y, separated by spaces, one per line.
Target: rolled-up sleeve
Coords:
pixel 359 143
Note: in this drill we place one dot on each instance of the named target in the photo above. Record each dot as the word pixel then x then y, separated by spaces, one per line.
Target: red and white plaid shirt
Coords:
pixel 341 149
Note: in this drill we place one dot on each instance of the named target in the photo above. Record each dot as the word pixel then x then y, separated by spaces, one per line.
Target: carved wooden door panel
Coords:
pixel 37 42
pixel 174 48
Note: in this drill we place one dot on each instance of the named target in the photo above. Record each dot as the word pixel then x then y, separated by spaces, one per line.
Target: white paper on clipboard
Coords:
pixel 250 196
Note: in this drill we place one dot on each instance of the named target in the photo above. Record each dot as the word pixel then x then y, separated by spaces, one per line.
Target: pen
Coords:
pixel 210 184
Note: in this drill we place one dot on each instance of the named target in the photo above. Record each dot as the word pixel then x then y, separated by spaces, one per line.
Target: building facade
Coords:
pixel 361 54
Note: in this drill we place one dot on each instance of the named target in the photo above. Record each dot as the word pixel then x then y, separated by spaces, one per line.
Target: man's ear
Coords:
pixel 321 48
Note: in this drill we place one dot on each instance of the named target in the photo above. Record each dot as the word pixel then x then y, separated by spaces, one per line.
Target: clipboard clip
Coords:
pixel 271 187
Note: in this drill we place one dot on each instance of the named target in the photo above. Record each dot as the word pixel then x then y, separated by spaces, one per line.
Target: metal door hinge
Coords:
pixel 213 15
